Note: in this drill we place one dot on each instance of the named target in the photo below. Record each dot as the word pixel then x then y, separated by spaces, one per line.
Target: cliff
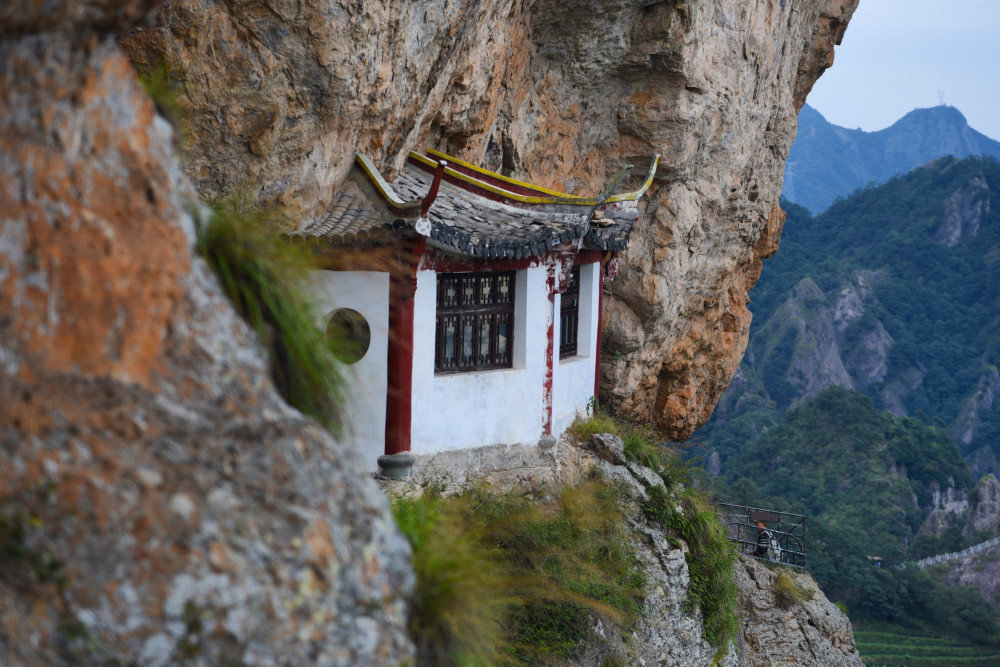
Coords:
pixel 160 502
pixel 280 95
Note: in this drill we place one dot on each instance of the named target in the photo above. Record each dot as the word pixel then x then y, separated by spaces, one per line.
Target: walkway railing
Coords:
pixel 941 558
pixel 788 529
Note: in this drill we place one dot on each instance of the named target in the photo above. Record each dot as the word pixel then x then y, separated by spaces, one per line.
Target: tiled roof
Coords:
pixel 467 223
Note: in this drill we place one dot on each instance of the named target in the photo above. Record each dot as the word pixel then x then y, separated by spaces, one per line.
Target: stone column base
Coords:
pixel 396 466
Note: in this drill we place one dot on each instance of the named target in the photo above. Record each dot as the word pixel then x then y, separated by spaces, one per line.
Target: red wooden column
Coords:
pixel 550 287
pixel 399 403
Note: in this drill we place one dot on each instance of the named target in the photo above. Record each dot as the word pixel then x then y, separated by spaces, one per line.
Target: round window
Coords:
pixel 349 335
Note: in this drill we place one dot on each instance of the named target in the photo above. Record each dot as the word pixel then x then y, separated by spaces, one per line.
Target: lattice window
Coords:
pixel 569 316
pixel 475 321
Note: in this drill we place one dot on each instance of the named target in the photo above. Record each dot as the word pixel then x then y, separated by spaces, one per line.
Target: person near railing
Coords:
pixel 765 541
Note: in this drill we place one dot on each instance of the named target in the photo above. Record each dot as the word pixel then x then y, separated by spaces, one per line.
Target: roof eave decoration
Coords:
pixel 480 213
pixel 405 209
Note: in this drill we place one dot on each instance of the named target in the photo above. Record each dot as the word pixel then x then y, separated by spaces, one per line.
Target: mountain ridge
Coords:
pixel 828 161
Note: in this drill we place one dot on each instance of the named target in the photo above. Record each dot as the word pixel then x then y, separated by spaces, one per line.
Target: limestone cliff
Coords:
pixel 159 502
pixel 281 94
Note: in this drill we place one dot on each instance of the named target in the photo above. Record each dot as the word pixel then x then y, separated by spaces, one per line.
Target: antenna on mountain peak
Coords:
pixel 941 97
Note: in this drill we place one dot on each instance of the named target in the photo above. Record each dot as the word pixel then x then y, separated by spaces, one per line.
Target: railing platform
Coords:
pixel 788 529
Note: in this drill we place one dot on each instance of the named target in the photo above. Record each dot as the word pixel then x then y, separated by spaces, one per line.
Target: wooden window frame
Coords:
pixel 569 316
pixel 478 309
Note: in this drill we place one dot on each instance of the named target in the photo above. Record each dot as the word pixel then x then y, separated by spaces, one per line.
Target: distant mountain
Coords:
pixel 827 161
pixel 894 292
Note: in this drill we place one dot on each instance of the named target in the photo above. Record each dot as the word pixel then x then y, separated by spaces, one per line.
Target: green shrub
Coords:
pixel 262 275
pixel 788 592
pixel 643 443
pixel 503 579
pixel 711 559
pixel 456 610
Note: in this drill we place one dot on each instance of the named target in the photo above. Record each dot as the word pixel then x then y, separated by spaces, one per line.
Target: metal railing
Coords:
pixel 788 529
pixel 941 558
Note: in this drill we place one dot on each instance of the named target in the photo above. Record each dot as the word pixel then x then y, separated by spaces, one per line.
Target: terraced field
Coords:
pixel 889 649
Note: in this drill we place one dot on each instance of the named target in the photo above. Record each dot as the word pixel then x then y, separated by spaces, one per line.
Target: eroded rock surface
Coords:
pixel 794 632
pixel 159 503
pixel 280 95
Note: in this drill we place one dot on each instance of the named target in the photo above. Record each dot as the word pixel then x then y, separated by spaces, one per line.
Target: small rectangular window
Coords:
pixel 475 321
pixel 569 316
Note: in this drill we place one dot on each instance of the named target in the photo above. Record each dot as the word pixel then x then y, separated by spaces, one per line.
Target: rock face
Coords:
pixel 280 95
pixel 790 632
pixel 159 502
pixel 981 570
pixel 985 513
pixel 811 631
pixel 948 506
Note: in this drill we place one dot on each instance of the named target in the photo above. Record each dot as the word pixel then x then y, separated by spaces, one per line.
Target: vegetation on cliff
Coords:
pixel 863 478
pixel 509 578
pixel 905 309
pixel 505 579
pixel 263 277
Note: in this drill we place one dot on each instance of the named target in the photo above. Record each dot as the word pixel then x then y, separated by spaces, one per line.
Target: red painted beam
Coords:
pixel 399 401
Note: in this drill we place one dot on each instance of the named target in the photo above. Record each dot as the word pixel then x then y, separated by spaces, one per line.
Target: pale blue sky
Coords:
pixel 898 54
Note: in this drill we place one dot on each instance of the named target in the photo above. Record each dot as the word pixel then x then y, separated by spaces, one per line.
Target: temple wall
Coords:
pixel 366 380
pixel 489 407
pixel 573 381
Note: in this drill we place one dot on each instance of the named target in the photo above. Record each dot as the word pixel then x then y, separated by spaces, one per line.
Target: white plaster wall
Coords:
pixel 463 410
pixel 573 378
pixel 367 380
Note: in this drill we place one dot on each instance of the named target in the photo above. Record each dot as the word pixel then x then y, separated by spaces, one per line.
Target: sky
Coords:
pixel 899 55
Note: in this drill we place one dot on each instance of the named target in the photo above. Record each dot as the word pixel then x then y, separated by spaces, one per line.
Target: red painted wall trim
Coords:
pixel 588 256
pixel 550 286
pixel 399 401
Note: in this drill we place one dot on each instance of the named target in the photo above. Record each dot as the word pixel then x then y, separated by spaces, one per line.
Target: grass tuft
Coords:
pixel 262 275
pixel 711 559
pixel 461 594
pixel 505 580
pixel 164 91
pixel 643 443
pixel 788 591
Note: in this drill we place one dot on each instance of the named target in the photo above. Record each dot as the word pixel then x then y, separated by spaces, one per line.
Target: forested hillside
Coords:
pixel 869 397
pixel 827 161
pixel 894 292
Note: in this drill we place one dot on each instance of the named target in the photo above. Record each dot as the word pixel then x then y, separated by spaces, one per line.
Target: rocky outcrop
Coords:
pixel 774 629
pixel 802 342
pixel 984 513
pixel 981 569
pixel 159 503
pixel 280 95
pixel 801 627
pixel 963 213
pixel 947 507
pixel 966 425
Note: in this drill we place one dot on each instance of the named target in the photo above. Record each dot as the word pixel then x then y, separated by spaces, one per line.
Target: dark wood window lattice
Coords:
pixel 475 321
pixel 569 315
